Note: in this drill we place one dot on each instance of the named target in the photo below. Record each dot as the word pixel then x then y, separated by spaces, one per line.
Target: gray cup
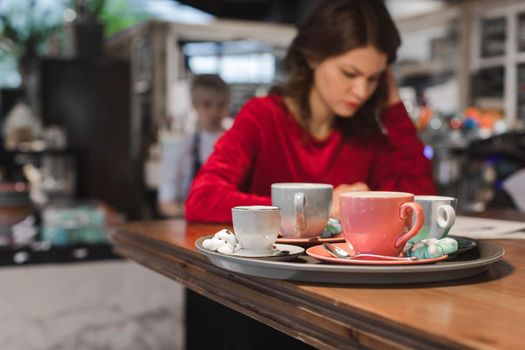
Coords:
pixel 305 208
pixel 440 215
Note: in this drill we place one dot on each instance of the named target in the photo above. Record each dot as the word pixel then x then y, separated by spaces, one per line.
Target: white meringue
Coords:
pixel 227 236
pixel 225 249
pixel 212 243
pixel 223 241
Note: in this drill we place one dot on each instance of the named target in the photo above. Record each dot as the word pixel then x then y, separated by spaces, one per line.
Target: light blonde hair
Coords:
pixel 209 85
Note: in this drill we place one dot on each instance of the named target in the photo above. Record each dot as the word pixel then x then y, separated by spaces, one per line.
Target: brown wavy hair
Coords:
pixel 334 28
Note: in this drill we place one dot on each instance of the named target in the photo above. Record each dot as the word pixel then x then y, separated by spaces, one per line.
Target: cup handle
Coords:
pixel 299 202
pixel 420 219
pixel 446 216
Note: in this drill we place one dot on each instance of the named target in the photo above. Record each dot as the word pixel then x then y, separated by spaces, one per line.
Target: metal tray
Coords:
pixel 308 269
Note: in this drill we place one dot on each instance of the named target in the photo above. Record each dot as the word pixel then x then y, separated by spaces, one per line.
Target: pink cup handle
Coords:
pixel 420 219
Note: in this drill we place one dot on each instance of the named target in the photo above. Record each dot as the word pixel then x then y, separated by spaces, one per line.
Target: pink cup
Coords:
pixel 379 222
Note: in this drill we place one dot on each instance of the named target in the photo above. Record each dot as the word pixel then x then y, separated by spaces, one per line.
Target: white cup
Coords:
pixel 440 215
pixel 256 226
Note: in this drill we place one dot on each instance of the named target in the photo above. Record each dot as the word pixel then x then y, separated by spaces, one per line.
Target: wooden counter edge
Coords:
pixel 281 306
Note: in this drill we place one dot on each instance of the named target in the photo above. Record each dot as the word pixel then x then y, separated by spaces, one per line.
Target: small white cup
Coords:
pixel 256 226
pixel 440 215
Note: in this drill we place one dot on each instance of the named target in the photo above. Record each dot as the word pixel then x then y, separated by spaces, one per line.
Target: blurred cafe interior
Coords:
pixel 90 90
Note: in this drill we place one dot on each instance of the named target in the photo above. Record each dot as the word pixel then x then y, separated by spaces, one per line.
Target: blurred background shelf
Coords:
pixel 42 254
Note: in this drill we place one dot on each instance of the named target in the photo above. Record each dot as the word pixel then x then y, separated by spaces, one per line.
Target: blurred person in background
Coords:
pixel 338 120
pixel 181 159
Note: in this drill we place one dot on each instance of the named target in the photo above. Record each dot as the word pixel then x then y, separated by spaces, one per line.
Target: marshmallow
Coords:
pixel 223 241
pixel 237 247
pixel 212 243
pixel 431 248
pixel 228 236
pixel 225 249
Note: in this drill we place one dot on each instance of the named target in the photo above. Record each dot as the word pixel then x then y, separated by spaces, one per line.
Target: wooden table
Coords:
pixel 482 312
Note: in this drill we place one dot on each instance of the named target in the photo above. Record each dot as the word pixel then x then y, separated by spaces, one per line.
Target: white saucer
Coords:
pixel 251 253
pixel 280 252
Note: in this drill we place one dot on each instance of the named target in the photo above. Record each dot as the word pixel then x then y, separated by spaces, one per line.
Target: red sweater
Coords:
pixel 266 145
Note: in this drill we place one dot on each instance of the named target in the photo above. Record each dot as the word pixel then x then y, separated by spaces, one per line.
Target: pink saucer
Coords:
pixel 320 253
pixel 310 241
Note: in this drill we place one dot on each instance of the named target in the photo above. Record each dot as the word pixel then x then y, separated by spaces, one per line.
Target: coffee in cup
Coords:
pixel 379 222
pixel 305 208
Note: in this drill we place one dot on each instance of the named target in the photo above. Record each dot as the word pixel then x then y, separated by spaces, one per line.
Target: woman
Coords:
pixel 337 120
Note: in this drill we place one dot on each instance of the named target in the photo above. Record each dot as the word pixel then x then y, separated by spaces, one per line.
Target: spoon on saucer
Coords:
pixel 281 253
pixel 343 254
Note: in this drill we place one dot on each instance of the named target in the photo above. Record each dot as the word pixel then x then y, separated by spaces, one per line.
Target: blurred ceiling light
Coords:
pixel 69 15
pixel 435 124
pixel 406 8
pixel 175 11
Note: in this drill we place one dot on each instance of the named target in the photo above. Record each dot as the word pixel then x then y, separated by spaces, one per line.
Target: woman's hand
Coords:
pixel 392 91
pixel 355 187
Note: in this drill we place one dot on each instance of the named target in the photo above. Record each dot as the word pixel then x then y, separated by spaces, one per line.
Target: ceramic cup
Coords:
pixel 379 222
pixel 305 208
pixel 256 226
pixel 440 215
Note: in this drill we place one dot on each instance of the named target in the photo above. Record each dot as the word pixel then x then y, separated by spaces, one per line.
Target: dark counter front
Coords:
pixel 43 253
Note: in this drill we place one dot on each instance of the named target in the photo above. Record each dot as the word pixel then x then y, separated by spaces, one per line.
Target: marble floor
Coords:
pixel 93 305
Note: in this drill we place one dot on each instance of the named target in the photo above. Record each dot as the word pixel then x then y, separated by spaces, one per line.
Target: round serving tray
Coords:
pixel 307 269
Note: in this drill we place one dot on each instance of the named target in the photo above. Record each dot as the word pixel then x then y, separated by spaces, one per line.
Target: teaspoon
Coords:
pixel 343 254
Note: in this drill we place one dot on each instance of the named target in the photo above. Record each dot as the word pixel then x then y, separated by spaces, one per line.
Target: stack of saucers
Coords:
pixel 15 206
